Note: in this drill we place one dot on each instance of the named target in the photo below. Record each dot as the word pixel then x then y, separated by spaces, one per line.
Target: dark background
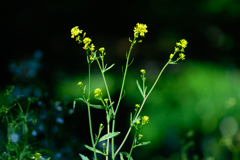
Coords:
pixel 200 94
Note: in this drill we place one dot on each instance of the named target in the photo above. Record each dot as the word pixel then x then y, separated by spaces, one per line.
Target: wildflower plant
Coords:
pixel 137 121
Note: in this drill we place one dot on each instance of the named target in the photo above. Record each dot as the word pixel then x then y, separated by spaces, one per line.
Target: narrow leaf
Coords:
pixel 92 149
pixel 121 156
pixel 108 136
pixel 143 144
pixel 172 63
pixel 83 157
pixel 79 99
pixel 127 155
pixel 140 89
pixel 97 106
pixel 131 62
pixel 109 67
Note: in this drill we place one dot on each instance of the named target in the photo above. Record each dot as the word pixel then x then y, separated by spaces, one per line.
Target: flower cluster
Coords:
pixel 75 32
pixel 98 93
pixel 180 46
pixel 140 29
pixel 140 122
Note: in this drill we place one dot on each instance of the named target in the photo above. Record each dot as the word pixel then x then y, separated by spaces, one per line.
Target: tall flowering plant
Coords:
pixel 111 108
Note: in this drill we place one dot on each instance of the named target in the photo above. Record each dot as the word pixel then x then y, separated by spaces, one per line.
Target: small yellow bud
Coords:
pixel 140 41
pixel 143 71
pixel 137 105
pixel 145 119
pixel 80 84
pixel 104 144
pixel 101 124
pixel 137 122
pixel 182 56
pixel 91 58
pixel 92 47
pixel 171 56
pixel 106 100
pixel 98 93
pixel 140 136
pixel 102 49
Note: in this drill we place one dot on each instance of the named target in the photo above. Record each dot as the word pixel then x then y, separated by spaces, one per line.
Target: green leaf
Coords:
pixel 97 106
pixel 109 67
pixel 127 155
pixel 108 136
pixel 172 63
pixel 140 89
pixel 110 114
pixel 83 157
pixel 121 156
pixel 92 149
pixel 80 99
pixel 143 144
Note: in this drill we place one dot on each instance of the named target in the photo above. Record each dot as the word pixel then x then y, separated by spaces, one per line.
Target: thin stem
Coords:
pixel 120 96
pixel 89 111
pixel 144 100
pixel 133 144
pixel 104 80
pixel 102 69
pixel 129 130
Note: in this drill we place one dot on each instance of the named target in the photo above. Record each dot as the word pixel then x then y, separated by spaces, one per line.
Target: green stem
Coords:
pixel 133 144
pixel 144 100
pixel 120 96
pixel 109 97
pixel 89 111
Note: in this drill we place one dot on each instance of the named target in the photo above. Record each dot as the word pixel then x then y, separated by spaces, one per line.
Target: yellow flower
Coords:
pixel 91 58
pixel 92 47
pixel 37 155
pixel 143 71
pixel 183 43
pixel 171 56
pixel 145 119
pixel 140 29
pixel 87 40
pixel 182 56
pixel 75 31
pixel 137 105
pixel 102 49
